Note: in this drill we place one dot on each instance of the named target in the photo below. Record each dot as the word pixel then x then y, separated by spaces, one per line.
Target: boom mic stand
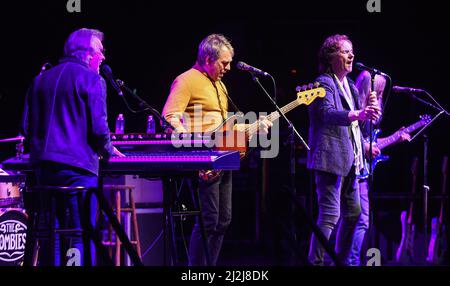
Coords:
pixel 166 127
pixel 317 232
pixel 163 122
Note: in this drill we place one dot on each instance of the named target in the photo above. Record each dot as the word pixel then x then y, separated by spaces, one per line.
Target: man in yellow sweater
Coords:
pixel 198 102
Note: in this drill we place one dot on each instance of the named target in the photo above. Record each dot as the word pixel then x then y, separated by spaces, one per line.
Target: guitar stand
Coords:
pixel 426 187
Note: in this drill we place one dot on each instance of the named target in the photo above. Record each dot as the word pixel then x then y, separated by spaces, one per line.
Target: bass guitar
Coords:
pixel 438 239
pixel 227 138
pixel 405 251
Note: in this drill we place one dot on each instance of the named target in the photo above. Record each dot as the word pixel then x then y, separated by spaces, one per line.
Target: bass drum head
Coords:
pixel 13 228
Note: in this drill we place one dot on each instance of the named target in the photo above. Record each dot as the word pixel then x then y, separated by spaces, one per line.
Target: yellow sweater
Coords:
pixel 194 99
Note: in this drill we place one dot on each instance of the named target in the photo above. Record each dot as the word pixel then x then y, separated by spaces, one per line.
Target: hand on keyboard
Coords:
pixel 117 153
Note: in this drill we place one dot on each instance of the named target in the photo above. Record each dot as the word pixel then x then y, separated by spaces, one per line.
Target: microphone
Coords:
pixel 120 82
pixel 45 67
pixel 107 73
pixel 360 66
pixel 401 89
pixel 245 67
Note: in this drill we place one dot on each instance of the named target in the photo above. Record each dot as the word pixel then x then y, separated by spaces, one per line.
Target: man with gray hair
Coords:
pixel 65 124
pixel 200 96
pixel 202 85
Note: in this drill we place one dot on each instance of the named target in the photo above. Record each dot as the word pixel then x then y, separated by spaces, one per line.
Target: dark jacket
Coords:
pixel 329 133
pixel 65 119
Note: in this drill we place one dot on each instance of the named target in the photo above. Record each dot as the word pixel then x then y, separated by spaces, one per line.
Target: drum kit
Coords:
pixel 13 218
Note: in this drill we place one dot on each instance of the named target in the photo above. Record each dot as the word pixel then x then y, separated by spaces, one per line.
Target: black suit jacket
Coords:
pixel 329 133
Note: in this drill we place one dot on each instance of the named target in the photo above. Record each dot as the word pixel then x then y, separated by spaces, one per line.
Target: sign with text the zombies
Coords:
pixel 12 237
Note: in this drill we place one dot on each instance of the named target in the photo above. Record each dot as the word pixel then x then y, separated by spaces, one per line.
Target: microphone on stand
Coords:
pixel 402 89
pixel 360 66
pixel 120 82
pixel 245 67
pixel 45 67
pixel 107 73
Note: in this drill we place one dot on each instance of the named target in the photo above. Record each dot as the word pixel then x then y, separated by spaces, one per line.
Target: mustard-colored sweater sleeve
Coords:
pixel 194 99
pixel 176 104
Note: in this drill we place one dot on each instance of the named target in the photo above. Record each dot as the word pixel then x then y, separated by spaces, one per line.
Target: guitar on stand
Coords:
pixel 226 136
pixel 405 251
pixel 438 240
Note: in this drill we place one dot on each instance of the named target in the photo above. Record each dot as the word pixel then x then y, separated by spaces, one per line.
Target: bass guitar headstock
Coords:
pixel 308 93
pixel 425 118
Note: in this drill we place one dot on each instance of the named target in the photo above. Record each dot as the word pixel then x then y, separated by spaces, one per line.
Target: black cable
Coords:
pixel 129 108
pixel 162 121
pixel 153 244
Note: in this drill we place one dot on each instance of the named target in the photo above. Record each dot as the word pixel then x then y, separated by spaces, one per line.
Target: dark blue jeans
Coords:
pixel 361 227
pixel 215 200
pixel 67 212
pixel 338 197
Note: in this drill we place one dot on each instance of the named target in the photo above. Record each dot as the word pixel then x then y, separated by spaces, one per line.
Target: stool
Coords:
pixel 45 196
pixel 119 209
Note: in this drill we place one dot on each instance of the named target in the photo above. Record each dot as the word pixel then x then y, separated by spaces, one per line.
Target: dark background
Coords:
pixel 148 43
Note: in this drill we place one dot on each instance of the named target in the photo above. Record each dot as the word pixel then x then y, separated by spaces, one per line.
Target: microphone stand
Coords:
pixel 370 178
pixel 317 232
pixel 163 122
pixel 165 126
pixel 255 79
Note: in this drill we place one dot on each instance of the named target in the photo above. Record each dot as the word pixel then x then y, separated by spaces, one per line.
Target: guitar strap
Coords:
pixel 224 90
pixel 229 98
pixel 222 110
